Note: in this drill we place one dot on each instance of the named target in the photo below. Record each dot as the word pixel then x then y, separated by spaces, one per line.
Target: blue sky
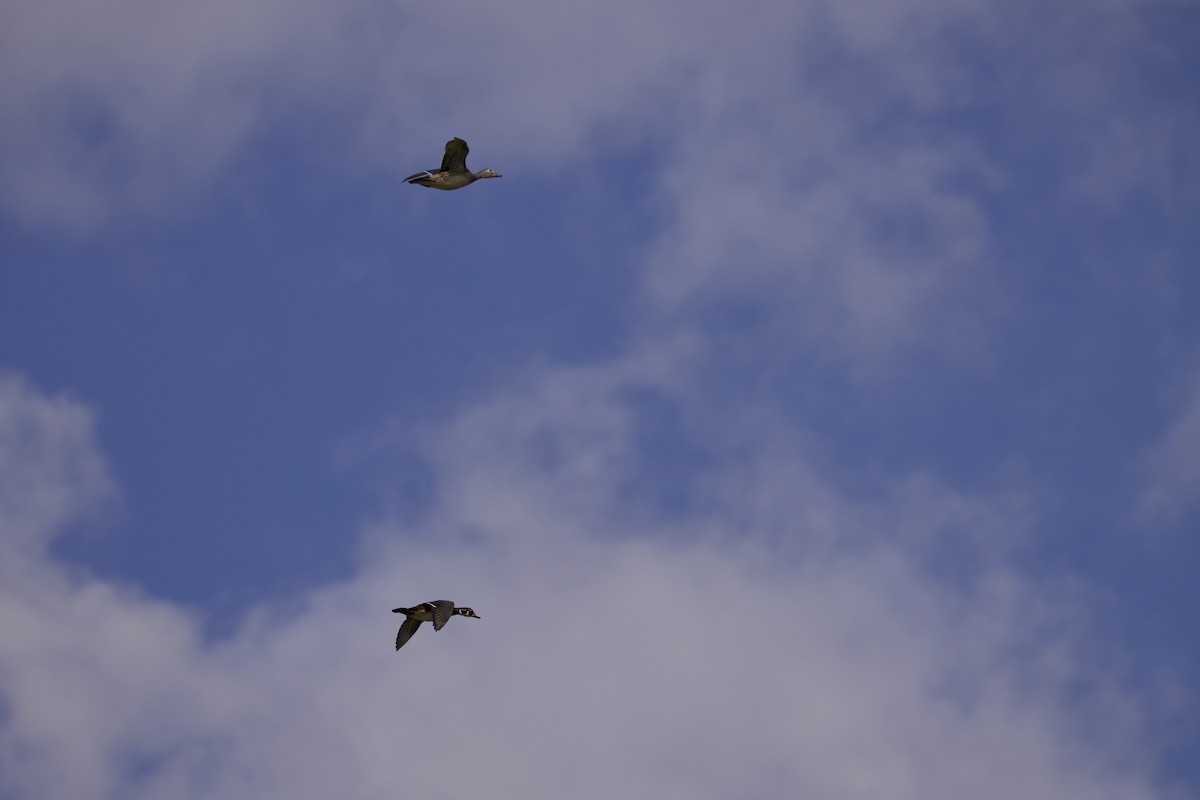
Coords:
pixel 812 410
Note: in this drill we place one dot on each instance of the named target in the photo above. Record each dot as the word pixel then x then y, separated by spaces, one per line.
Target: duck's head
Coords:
pixel 488 173
pixel 467 612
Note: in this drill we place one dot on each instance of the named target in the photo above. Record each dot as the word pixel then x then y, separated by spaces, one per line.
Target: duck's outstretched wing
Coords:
pixel 423 174
pixel 455 159
pixel 442 611
pixel 406 631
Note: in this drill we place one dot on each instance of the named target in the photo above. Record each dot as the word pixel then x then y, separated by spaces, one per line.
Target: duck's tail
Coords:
pixel 404 611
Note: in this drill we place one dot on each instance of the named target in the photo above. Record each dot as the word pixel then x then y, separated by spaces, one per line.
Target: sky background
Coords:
pixel 811 411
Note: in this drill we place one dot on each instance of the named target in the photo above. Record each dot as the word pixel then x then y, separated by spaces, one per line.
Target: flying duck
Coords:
pixel 453 173
pixel 438 612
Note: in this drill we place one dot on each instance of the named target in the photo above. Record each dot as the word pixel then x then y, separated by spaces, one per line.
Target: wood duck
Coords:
pixel 438 612
pixel 453 173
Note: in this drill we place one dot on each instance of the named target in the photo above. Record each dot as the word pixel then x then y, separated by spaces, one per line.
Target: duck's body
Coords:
pixel 438 612
pixel 453 174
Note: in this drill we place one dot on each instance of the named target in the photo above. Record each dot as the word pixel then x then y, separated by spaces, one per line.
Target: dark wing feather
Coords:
pixel 442 610
pixel 406 631
pixel 455 159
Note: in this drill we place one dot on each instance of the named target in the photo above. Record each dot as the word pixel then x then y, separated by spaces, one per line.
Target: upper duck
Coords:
pixel 438 612
pixel 453 173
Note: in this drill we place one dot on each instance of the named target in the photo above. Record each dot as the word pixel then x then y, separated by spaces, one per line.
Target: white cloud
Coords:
pixel 1172 465
pixel 135 105
pixel 50 472
pixel 608 660
pixel 131 106
pixel 850 245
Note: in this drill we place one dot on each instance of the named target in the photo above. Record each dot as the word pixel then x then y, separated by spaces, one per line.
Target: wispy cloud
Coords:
pixel 50 471
pixel 1172 464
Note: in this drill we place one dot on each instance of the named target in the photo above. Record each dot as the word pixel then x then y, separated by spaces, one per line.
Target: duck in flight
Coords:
pixel 438 612
pixel 453 173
